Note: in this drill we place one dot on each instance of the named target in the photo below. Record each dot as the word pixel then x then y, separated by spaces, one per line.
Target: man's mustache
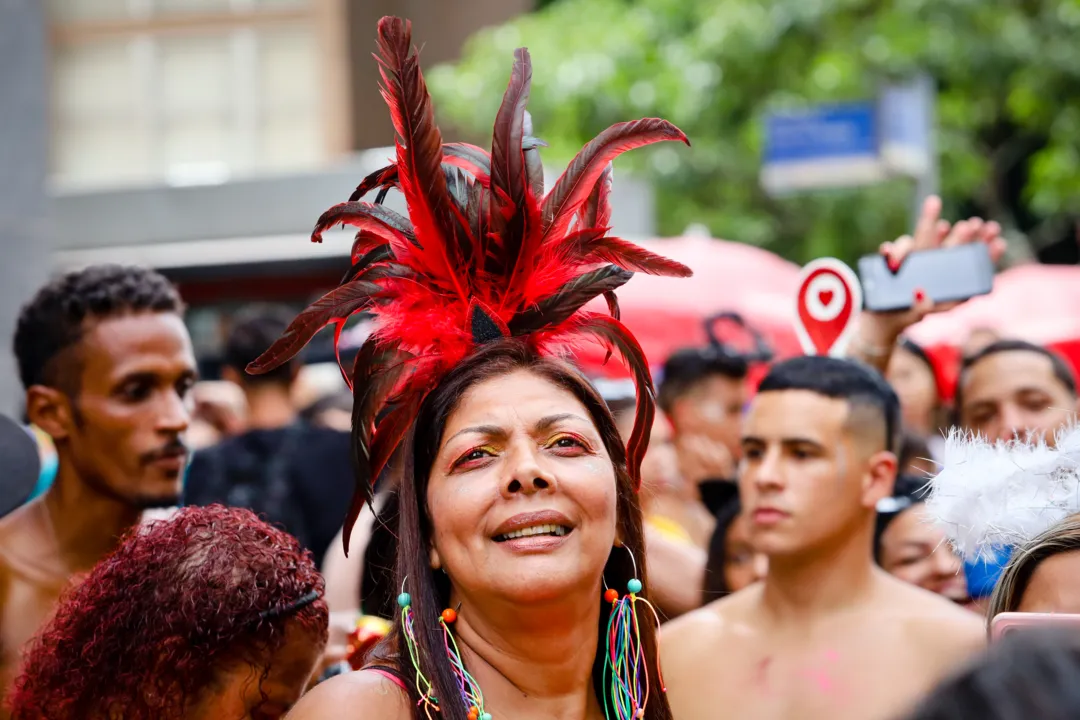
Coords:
pixel 175 448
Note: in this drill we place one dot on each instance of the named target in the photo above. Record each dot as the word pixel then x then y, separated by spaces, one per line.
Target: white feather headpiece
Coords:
pixel 992 494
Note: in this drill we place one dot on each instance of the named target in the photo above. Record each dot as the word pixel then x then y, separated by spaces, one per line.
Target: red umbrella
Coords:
pixel 666 314
pixel 1038 303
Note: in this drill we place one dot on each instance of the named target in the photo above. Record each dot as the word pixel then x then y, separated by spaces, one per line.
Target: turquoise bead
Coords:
pixel 404 600
pixel 485 716
pixel 634 585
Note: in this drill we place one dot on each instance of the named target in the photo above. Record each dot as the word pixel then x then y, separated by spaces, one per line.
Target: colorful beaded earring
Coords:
pixel 471 694
pixel 624 664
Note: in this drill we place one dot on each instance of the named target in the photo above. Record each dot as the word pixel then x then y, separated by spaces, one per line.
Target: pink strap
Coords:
pixel 388 675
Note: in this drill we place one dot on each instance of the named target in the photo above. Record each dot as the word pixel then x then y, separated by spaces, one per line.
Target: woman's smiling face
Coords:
pixel 522 493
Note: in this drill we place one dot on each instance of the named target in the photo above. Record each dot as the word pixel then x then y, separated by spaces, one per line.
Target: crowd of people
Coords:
pixel 478 530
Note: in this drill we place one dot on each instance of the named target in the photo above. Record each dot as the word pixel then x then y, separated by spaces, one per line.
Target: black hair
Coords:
pixel 849 380
pixel 689 366
pixel 912 448
pixel 913 348
pixel 715 583
pixel 55 318
pixel 254 329
pixel 1028 674
pixel 1061 369
pixel 907 492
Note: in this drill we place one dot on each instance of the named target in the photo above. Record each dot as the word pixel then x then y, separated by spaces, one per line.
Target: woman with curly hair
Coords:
pixel 211 614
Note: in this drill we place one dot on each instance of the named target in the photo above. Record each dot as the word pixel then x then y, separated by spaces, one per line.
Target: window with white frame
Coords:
pixel 186 91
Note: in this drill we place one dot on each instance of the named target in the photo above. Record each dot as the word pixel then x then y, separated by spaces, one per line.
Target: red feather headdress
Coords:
pixel 483 254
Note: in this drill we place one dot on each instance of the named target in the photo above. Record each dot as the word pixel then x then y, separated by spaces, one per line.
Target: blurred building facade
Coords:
pixel 203 137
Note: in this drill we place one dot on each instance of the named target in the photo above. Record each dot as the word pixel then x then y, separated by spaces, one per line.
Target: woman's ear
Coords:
pixel 433 559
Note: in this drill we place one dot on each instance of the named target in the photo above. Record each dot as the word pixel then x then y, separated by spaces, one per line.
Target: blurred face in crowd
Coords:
pixel 915 550
pixel 812 471
pixel 1053 587
pixel 706 420
pixel 743 565
pixel 242 693
pixel 915 384
pixel 660 467
pixel 1012 392
pixel 978 339
pixel 122 431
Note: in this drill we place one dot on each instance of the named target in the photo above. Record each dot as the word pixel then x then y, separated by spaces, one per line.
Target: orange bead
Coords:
pixel 474 713
pixel 611 595
pixel 449 615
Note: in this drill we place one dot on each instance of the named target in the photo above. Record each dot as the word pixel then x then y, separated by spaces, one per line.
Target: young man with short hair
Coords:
pixel 107 365
pixel 827 634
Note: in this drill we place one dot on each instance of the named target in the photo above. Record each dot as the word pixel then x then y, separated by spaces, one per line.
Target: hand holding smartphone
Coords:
pixel 948 274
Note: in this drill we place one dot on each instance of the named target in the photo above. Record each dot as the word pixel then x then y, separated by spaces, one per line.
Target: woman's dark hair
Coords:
pixel 715 583
pixel 913 448
pixel 153 625
pixel 1028 674
pixel 430 591
pixel 907 492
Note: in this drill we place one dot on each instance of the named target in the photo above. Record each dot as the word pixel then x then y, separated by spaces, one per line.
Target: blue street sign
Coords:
pixel 844 145
pixel 826 146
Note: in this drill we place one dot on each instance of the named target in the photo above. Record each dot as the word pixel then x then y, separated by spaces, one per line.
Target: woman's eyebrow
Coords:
pixel 489 430
pixel 546 423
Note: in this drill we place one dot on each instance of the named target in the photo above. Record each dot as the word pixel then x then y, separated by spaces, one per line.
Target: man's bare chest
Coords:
pixel 24 608
pixel 845 681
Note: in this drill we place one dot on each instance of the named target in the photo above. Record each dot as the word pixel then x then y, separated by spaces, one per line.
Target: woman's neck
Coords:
pixel 535 661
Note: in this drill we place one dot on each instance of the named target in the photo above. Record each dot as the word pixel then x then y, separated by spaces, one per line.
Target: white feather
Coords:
pixel 993 494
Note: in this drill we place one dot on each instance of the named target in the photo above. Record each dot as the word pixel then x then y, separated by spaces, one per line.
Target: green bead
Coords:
pixel 404 600
pixel 634 585
pixel 485 716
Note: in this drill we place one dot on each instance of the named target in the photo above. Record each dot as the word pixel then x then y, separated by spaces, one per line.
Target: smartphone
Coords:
pixel 944 274
pixel 1007 622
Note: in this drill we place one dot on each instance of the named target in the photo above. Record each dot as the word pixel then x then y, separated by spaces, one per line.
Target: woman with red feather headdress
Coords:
pixel 520 560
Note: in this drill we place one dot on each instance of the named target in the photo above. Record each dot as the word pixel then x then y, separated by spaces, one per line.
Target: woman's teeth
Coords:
pixel 556 530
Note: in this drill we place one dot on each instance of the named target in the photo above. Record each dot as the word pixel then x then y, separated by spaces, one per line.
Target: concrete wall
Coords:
pixel 24 125
pixel 440 29
pixel 244 223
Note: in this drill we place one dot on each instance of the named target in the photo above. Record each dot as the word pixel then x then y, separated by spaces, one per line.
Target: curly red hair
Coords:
pixel 156 621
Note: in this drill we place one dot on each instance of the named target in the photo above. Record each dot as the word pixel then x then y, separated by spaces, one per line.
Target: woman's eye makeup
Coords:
pixel 567 443
pixel 475 455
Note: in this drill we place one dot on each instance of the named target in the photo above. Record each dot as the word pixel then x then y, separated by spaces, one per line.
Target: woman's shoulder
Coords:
pixel 369 694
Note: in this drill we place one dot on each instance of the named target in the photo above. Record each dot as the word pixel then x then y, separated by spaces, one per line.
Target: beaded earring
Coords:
pixel 471 694
pixel 624 663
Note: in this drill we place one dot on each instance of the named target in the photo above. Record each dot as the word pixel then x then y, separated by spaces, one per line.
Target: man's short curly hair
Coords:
pixel 55 319
pixel 149 631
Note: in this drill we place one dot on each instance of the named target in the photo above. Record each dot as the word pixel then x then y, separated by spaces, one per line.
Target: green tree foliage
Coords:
pixel 1008 110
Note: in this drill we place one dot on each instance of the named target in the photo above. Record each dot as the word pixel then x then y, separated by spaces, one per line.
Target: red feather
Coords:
pixel 508 177
pixel 419 151
pixel 376 371
pixel 631 257
pixel 574 186
pixel 380 178
pixel 597 209
pixel 478 236
pixel 337 305
pixel 613 333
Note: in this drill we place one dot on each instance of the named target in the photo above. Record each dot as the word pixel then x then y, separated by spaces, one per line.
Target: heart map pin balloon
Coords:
pixel 828 302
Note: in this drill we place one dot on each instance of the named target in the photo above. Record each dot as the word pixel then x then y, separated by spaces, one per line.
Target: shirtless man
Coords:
pixel 827 634
pixel 107 364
